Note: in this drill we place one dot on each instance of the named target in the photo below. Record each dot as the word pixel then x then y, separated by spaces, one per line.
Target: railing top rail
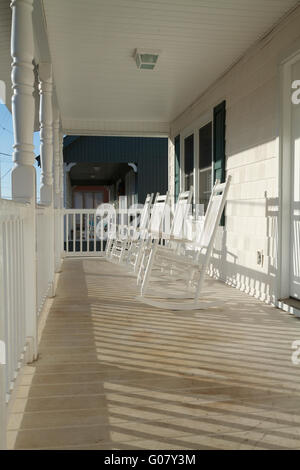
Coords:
pixel 44 209
pixel 79 211
pixel 12 203
pixel 93 211
pixel 10 209
pixel 42 206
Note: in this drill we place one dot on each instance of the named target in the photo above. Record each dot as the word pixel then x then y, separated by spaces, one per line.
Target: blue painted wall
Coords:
pixel 150 154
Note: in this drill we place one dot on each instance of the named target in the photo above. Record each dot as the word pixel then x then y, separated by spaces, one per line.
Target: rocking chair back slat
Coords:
pixel 136 250
pixel 158 221
pixel 144 217
pixel 158 213
pixel 213 214
pixel 181 212
pixel 211 222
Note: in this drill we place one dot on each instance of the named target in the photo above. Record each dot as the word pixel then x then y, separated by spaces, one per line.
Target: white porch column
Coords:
pixel 46 133
pixel 171 168
pixel 61 151
pixel 23 105
pixel 57 192
pixel 47 158
pixel 57 157
pixel 62 196
pixel 23 174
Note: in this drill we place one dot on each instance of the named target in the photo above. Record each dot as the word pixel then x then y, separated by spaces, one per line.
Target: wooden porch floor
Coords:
pixel 116 374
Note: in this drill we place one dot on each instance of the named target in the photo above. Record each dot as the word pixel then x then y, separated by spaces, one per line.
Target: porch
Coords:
pixel 113 373
pixel 110 372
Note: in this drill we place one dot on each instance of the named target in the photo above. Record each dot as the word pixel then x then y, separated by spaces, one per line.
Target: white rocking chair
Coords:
pixel 168 240
pixel 187 268
pixel 135 246
pixel 160 211
pixel 118 248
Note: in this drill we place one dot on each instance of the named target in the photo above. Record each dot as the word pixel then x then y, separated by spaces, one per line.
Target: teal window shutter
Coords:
pixel 219 157
pixel 177 167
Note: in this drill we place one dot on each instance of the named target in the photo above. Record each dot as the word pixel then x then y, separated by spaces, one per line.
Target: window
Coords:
pixel 177 168
pixel 87 199
pixel 188 161
pixel 219 145
pixel 205 163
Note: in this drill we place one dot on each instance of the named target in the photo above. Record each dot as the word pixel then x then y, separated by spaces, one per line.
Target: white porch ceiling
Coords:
pixel 92 43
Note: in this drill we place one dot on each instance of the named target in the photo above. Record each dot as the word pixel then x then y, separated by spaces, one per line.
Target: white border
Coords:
pixel 284 176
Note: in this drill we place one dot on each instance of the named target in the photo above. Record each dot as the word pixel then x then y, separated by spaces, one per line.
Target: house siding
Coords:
pixel 252 92
pixel 150 154
pixel 68 192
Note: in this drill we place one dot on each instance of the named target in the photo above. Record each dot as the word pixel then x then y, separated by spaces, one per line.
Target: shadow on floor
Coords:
pixel 116 374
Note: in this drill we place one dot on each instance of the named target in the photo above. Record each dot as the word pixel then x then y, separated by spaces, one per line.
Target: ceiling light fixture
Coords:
pixel 146 59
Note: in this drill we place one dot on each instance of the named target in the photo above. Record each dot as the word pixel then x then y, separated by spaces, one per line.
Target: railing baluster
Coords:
pixel 80 219
pixel 17 249
pixel 85 228
pixel 11 304
pixel 102 235
pixel 67 232
pixel 95 238
pixel 74 233
pixel 87 231
pixel 13 269
pixel 22 276
pixel 7 288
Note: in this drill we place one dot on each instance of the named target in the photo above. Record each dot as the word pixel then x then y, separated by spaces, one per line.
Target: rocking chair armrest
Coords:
pixel 178 239
pixel 183 240
pixel 170 236
pixel 155 234
pixel 173 257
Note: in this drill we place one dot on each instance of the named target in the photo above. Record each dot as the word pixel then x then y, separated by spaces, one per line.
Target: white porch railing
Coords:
pixel 80 237
pixel 13 216
pixel 85 231
pixel 45 258
pixel 20 306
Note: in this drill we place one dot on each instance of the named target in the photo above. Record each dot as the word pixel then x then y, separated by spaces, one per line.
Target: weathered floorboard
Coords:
pixel 116 374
